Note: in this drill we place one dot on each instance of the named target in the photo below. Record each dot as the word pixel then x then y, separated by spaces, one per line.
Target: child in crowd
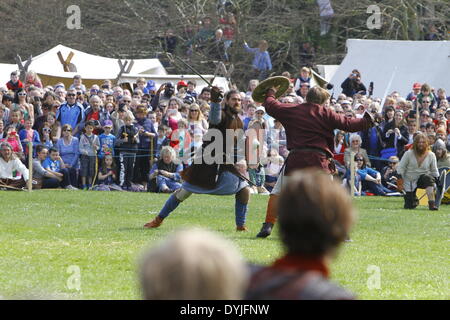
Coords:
pixel 55 165
pixel 14 84
pixel 15 119
pixel 13 139
pixel 89 145
pixel 78 83
pixel 161 141
pixel 29 135
pixel 304 77
pixel 127 141
pixel 107 175
pixel 107 140
pixel 191 89
pixel 44 135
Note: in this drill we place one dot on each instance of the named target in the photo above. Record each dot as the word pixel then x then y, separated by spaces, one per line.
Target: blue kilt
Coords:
pixel 227 184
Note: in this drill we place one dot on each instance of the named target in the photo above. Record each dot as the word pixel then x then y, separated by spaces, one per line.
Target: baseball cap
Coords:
pixel 107 123
pixel 151 85
pixel 181 84
pixel 417 85
pixel 260 108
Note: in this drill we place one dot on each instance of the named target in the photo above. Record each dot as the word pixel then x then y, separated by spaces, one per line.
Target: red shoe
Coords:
pixel 155 223
pixel 242 228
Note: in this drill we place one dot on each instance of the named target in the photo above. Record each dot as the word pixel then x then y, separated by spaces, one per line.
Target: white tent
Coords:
pixel 89 66
pixel 5 72
pixel 396 65
pixel 327 71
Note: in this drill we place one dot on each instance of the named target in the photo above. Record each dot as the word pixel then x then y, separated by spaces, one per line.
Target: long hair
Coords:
pixel 416 143
pixel 103 168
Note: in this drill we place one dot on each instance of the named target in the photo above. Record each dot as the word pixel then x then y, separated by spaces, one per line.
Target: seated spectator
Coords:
pixel 442 156
pixel 193 265
pixel 56 166
pixel 273 164
pixel 9 165
pixel 389 174
pixel 339 147
pixel 107 175
pixel 44 135
pixel 367 179
pixel 2 129
pixel 355 146
pixel 165 173
pixel 315 216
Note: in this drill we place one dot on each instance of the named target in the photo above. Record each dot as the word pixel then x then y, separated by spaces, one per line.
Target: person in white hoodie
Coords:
pixel 9 165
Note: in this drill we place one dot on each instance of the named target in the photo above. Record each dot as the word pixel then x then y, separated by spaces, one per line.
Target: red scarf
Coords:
pixel 295 262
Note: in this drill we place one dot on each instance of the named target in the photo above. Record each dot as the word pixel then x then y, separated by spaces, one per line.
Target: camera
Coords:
pixel 329 86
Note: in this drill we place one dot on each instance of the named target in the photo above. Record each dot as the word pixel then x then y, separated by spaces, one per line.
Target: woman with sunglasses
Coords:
pixel 195 120
pixel 20 101
pixel 44 134
pixel 369 178
pixel 68 147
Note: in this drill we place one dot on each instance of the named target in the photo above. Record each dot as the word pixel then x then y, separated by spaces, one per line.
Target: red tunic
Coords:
pixel 311 126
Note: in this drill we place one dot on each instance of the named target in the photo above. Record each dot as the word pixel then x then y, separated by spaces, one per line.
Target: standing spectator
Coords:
pixel 442 156
pixel 191 89
pixel 261 61
pixel 305 75
pixel 170 41
pixel 193 265
pixel 29 135
pixel 418 167
pixel 20 102
pixel 147 134
pixel 32 80
pixel 107 140
pixel 353 85
pixel 205 95
pixel 88 146
pixel 7 101
pixel 2 129
pixel 196 120
pixel 395 136
pixel 9 164
pixel 425 99
pixel 68 147
pixel 77 83
pixel 56 166
pixel 13 139
pixel 315 216
pixel 412 96
pixel 200 39
pixel 273 164
pixel 127 140
pixel 14 84
pixel 355 146
pixel 71 112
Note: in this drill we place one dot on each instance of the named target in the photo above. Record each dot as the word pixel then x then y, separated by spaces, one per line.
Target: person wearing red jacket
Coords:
pixel 14 84
pixel 310 138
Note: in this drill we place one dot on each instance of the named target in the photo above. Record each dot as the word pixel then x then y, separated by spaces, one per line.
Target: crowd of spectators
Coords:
pixel 149 133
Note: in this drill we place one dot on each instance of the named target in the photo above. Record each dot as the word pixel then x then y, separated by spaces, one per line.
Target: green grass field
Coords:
pixel 44 233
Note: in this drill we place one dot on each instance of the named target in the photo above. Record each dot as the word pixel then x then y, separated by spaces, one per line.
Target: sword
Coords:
pixel 172 57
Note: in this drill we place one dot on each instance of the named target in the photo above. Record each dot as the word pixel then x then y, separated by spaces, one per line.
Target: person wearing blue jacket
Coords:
pixel 261 61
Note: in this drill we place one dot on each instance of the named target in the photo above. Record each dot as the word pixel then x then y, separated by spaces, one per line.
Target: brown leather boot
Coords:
pixel 155 223
pixel 241 228
pixel 432 205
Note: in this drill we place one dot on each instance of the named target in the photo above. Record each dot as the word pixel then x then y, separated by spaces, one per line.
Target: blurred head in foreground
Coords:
pixel 193 265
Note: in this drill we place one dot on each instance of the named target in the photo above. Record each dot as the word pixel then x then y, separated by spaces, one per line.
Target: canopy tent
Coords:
pixel 396 65
pixel 5 72
pixel 89 66
pixel 327 71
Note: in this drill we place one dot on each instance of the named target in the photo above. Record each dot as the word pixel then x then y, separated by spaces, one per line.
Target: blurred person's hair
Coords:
pixel 315 214
pixel 193 265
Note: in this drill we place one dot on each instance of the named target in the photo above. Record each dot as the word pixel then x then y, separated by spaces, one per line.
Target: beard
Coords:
pixel 235 109
pixel 421 149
